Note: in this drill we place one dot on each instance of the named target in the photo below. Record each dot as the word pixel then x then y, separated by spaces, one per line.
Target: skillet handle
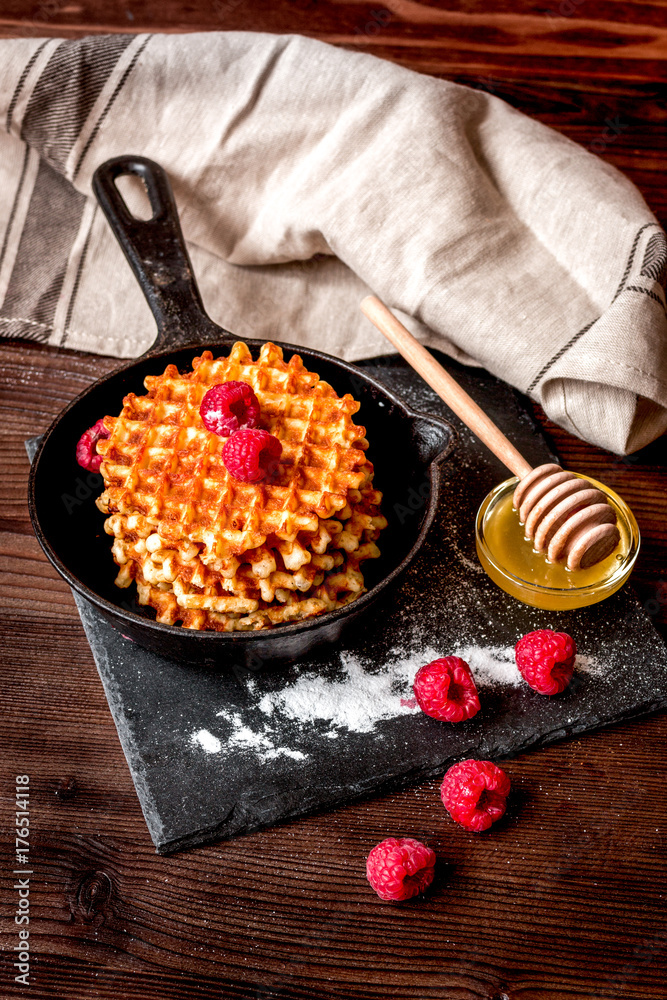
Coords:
pixel 157 254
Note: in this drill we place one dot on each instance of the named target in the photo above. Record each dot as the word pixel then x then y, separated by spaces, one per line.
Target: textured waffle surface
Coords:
pixel 212 552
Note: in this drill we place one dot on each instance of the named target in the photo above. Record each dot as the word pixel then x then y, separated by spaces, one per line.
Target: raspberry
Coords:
pixel 546 660
pixel 399 868
pixel 474 792
pixel 229 406
pixel 86 449
pixel 445 690
pixel 250 454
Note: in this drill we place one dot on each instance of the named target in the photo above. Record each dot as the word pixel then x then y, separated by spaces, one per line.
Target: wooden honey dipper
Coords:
pixel 564 516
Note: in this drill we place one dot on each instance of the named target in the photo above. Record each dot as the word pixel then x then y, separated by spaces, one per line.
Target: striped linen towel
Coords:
pixel 306 175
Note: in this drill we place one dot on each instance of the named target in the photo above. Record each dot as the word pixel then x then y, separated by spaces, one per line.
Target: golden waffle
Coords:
pixel 295 607
pixel 212 552
pixel 309 554
pixel 177 584
pixel 162 463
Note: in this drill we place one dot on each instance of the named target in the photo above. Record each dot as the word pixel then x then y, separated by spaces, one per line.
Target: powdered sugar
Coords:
pixel 469 564
pixel 260 741
pixel 363 696
pixel 357 700
pixel 207 741
pixel 495 666
pixel 589 665
pixel 242 737
pixel 491 666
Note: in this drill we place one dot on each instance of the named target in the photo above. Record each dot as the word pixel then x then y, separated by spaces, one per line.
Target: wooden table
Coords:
pixel 567 900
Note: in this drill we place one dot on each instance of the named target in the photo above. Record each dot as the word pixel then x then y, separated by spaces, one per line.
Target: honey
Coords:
pixel 514 565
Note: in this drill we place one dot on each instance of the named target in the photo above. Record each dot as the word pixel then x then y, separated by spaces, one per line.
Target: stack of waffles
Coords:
pixel 211 552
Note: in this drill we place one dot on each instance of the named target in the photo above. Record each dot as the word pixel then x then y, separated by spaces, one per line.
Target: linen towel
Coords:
pixel 306 176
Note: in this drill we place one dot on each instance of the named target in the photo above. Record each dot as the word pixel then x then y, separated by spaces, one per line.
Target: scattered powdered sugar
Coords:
pixel 491 666
pixel 495 665
pixel 356 701
pixel 589 665
pixel 207 741
pixel 470 565
pixel 242 737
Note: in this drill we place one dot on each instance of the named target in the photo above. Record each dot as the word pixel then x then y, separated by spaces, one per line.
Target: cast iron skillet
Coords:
pixel 407 449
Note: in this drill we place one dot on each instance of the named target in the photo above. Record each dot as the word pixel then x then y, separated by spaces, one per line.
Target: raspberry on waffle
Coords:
pixel 212 552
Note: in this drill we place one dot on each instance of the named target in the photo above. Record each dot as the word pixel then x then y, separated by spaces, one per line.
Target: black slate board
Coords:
pixel 214 754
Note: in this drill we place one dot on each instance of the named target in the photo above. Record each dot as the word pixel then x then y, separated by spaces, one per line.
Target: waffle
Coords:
pixel 212 552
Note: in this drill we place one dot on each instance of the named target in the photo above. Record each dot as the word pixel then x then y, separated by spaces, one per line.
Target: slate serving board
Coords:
pixel 214 754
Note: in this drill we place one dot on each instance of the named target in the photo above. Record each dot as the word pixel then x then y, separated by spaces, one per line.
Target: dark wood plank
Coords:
pixel 584 35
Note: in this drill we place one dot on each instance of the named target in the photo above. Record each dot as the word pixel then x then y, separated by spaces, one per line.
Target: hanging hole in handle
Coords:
pixel 133 191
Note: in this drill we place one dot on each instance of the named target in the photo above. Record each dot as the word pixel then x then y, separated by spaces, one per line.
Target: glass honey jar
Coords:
pixel 509 558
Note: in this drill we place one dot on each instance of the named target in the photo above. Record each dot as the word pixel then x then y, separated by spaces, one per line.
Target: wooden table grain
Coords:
pixel 567 899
